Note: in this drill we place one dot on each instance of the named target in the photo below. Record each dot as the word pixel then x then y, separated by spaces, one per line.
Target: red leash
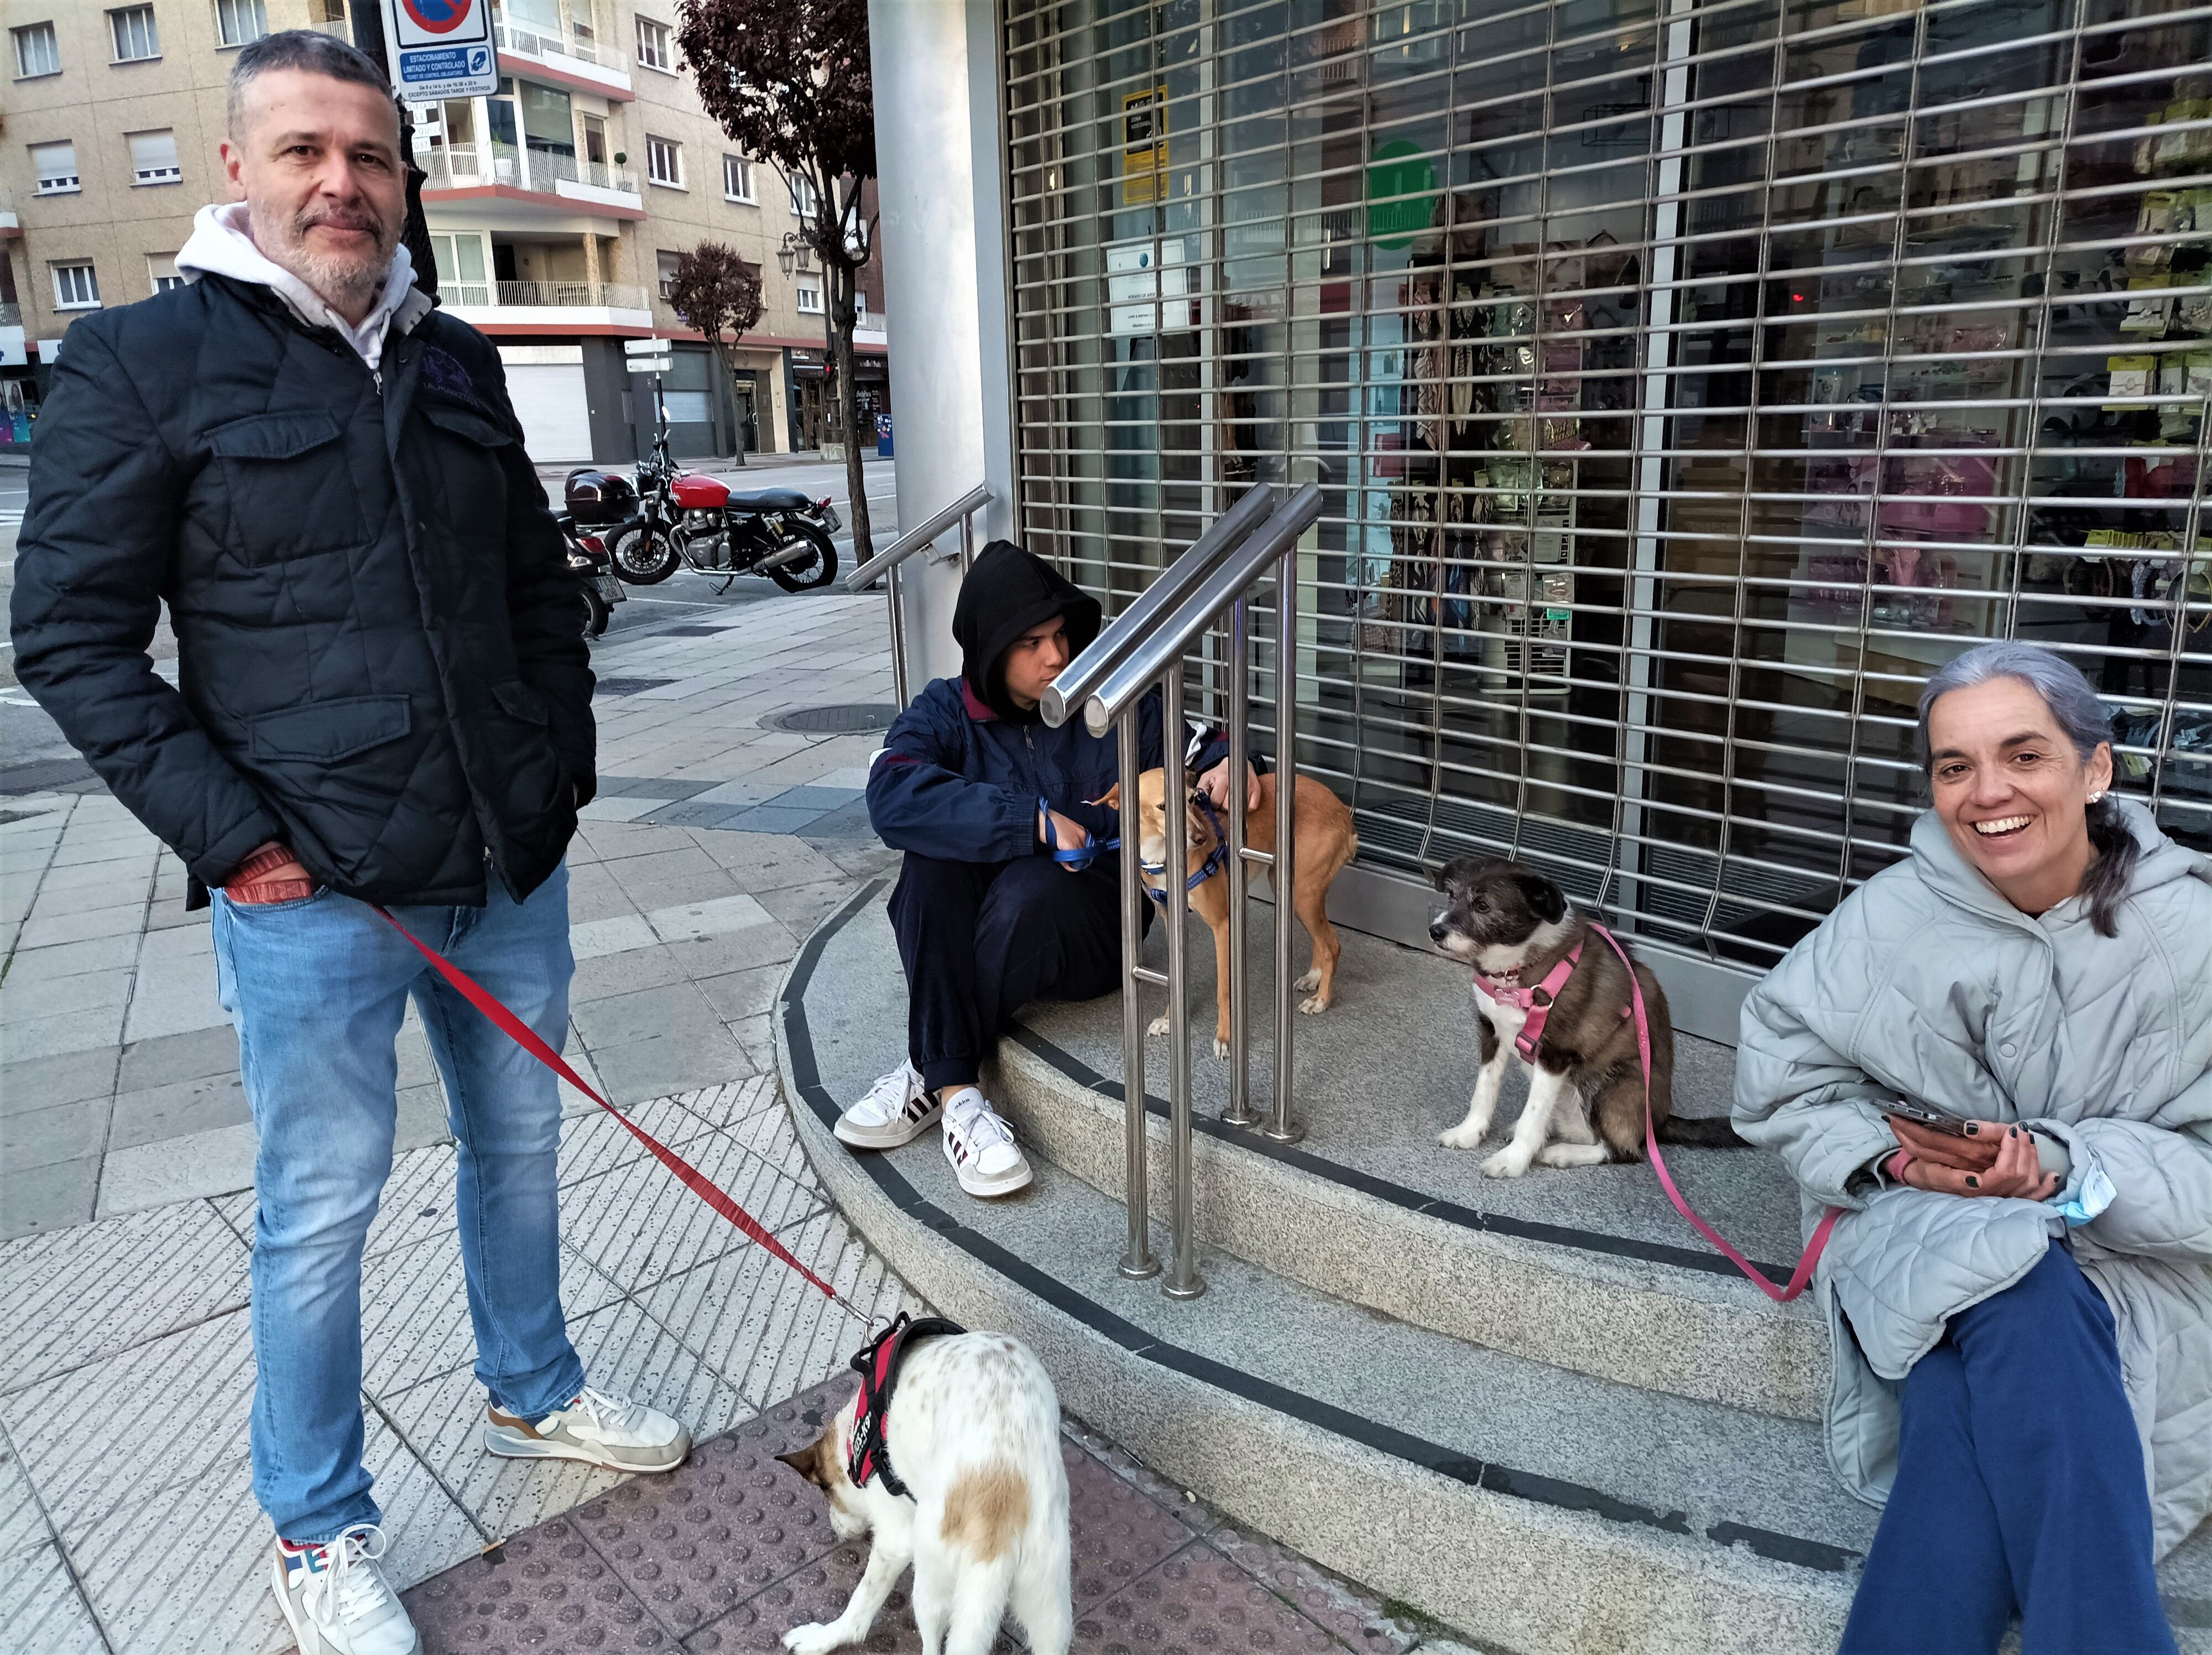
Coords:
pixel 1802 1275
pixel 527 1037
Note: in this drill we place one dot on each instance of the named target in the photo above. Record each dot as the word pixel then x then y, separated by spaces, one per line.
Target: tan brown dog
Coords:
pixel 1324 842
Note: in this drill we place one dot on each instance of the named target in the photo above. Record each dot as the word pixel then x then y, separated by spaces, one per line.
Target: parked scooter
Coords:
pixel 594 569
pixel 673 520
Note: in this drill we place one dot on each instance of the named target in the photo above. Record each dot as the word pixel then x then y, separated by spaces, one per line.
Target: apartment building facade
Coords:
pixel 557 208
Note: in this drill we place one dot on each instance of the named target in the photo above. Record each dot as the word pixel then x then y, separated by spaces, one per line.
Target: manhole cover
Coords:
pixel 609 689
pixel 850 719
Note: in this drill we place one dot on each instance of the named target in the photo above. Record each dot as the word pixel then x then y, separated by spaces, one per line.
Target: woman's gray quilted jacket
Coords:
pixel 1927 983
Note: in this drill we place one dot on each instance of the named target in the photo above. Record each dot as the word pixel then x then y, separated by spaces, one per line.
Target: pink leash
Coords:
pixel 527 1037
pixel 1799 1278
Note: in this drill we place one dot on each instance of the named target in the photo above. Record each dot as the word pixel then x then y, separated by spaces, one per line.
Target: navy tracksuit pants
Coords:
pixel 980 940
pixel 2020 1488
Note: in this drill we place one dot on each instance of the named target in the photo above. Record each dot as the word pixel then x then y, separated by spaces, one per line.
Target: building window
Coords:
pixel 653 45
pixel 461 277
pixel 860 307
pixel 154 159
pixel 804 200
pixel 162 268
pixel 664 161
pixel 240 23
pixel 135 35
pixel 667 262
pixel 334 11
pixel 737 179
pixel 54 165
pixel 37 52
pixel 75 287
pixel 810 299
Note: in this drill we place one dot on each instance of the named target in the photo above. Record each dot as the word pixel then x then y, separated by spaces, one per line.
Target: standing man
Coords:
pixel 383 696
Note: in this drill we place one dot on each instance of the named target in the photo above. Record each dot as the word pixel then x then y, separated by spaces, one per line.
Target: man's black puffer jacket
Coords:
pixel 381 656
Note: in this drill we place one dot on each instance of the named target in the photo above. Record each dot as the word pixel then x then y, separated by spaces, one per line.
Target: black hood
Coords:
pixel 1006 593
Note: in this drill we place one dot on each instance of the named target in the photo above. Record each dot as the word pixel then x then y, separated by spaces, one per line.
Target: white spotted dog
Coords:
pixel 956 1468
pixel 1547 988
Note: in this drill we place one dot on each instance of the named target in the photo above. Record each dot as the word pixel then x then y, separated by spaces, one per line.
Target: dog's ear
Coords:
pixel 808 1461
pixel 1546 900
pixel 1111 798
pixel 1441 876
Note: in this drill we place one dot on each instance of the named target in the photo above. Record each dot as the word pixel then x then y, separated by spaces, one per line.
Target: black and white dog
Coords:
pixel 1548 989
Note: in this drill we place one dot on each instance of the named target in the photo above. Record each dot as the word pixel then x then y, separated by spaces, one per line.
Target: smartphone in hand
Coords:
pixel 1921 1115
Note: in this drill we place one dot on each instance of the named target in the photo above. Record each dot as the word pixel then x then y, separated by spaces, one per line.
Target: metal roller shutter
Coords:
pixel 550 400
pixel 1689 380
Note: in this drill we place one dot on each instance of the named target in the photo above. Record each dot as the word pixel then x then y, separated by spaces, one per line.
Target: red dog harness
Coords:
pixel 877 1363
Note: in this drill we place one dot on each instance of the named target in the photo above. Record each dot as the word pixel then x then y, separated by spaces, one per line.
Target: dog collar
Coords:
pixel 877 1363
pixel 1535 1003
pixel 1207 869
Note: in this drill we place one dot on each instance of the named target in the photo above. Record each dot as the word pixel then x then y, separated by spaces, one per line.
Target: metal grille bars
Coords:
pixel 886 564
pixel 1148 641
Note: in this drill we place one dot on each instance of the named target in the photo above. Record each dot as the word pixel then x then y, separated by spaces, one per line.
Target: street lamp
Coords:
pixel 787 254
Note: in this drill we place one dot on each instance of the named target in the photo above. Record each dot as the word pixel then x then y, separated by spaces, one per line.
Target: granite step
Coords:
pixel 1535 1506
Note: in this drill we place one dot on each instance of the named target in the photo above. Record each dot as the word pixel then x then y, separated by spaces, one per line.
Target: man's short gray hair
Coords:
pixel 306 49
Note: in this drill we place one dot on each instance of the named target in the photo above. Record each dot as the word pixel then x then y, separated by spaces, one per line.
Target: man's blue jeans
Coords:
pixel 316 990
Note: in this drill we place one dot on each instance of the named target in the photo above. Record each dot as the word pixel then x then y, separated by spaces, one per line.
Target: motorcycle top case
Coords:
pixel 599 499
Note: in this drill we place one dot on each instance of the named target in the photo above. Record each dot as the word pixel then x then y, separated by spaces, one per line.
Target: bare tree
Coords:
pixel 788 82
pixel 717 292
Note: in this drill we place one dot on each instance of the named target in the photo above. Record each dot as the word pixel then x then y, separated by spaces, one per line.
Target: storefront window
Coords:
pixel 1688 380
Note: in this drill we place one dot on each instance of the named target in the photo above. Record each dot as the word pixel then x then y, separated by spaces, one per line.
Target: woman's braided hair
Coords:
pixel 2082 717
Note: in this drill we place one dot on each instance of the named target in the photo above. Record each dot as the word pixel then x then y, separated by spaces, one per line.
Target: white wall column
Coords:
pixel 943 239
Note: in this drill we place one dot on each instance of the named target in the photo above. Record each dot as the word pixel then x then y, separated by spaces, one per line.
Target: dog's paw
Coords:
pixel 1159 1024
pixel 1314 1006
pixel 1505 1163
pixel 1462 1136
pixel 814 1639
pixel 1309 981
pixel 1220 1048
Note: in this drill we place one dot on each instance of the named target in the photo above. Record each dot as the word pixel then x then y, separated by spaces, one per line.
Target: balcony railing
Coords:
pixel 565 295
pixel 469 166
pixel 531 43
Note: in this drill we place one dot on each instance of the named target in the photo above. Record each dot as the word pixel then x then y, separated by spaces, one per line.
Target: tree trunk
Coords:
pixel 841 279
pixel 727 356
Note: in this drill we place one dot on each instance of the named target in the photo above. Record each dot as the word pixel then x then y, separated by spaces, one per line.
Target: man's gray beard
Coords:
pixel 343 283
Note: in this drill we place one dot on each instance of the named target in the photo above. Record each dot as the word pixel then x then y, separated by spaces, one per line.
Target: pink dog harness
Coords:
pixel 1536 1004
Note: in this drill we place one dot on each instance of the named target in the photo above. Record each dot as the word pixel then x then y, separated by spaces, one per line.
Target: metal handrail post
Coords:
pixel 899 637
pixel 966 541
pixel 1240 1111
pixel 1283 874
pixel 1183 1280
pixel 1137 1262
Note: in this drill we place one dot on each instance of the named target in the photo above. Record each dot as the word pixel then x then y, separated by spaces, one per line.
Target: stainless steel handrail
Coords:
pixel 1082 675
pixel 886 564
pixel 1145 645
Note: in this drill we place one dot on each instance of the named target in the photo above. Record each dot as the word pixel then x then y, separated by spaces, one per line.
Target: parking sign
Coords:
pixel 441 48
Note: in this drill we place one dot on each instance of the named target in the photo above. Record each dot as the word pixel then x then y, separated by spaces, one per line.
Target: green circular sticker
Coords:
pixel 1400 171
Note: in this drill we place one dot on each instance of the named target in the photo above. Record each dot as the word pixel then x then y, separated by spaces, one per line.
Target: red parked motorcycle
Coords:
pixel 675 520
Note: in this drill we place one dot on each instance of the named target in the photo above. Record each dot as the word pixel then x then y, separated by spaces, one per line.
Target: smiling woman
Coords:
pixel 1996 1058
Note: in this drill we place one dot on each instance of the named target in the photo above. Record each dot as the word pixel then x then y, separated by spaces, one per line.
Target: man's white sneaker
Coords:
pixel 336 1599
pixel 596 1428
pixel 896 1111
pixel 981 1147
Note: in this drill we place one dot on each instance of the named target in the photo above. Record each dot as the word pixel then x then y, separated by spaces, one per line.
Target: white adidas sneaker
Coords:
pixel 981 1147
pixel 336 1599
pixel 612 1432
pixel 896 1110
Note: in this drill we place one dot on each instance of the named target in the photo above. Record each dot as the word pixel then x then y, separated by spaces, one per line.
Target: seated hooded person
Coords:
pixel 979 793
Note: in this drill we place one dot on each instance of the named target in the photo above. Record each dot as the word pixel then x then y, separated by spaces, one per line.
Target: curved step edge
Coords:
pixel 1535 1571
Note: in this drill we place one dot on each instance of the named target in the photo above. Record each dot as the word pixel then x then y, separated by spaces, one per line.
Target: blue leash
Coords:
pixel 1078 856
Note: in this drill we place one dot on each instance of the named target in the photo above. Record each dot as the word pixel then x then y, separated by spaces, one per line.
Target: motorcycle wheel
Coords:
pixel 809 573
pixel 643 557
pixel 596 614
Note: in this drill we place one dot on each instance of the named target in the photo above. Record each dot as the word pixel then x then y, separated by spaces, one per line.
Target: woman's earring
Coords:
pixel 2098 797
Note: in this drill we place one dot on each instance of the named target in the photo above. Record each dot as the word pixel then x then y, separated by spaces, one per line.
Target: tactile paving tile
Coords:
pixel 543 1593
pixel 812 1595
pixel 696 1543
pixel 1199 1601
pixel 1195 1513
pixel 1322 1597
pixel 1115 1533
